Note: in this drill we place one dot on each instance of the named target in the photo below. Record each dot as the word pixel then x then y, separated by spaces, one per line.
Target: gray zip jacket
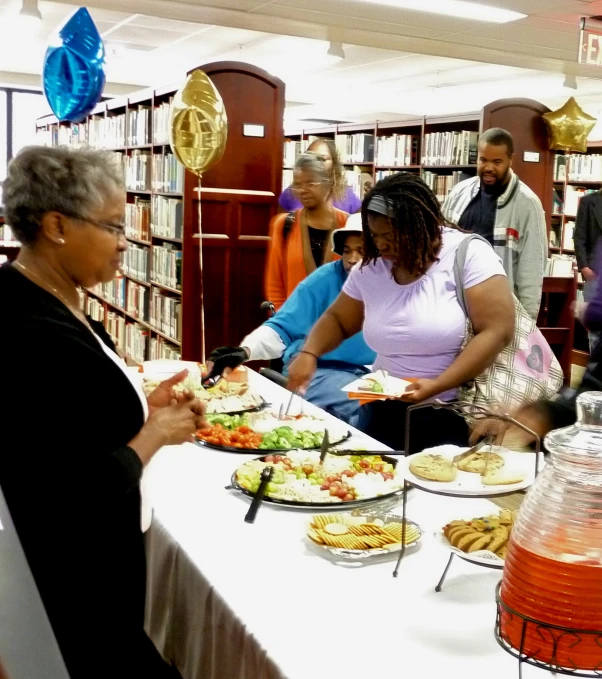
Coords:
pixel 519 235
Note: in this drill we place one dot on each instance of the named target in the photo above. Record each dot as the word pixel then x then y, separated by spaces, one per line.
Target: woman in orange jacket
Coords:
pixel 299 248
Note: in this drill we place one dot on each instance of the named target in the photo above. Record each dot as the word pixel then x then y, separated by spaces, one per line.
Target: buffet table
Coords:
pixel 231 600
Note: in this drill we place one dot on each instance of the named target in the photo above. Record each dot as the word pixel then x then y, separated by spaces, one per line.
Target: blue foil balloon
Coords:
pixel 74 75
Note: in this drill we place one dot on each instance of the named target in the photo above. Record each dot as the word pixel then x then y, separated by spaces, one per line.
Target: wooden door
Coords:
pixel 238 198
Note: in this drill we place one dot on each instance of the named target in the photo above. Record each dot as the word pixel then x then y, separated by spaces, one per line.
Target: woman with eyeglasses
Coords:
pixel 342 197
pixel 300 247
pixel 77 431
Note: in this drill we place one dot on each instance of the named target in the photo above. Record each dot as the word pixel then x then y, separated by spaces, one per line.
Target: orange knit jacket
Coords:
pixel 288 264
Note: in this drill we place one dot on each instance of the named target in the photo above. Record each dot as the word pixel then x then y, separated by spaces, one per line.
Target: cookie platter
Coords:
pixel 445 471
pixel 482 540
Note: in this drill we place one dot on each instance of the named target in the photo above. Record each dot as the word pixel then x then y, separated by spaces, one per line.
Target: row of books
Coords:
pixel 560 265
pixel 450 148
pixel 115 326
pixel 137 219
pixel 287 178
pixel 113 292
pixel 397 150
pixel 138 127
pixel 160 349
pixel 138 170
pixel 585 168
pixel 167 266
pixel 292 150
pixel 136 262
pixel 361 182
pixel 166 217
pixel 355 148
pixel 7 235
pixel 115 131
pixel 161 122
pixel 442 184
pixel 136 341
pixel 165 314
pixel 95 309
pixel 168 174
pixel 572 196
pixel 137 300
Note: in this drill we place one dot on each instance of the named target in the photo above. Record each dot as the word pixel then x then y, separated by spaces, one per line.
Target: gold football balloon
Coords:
pixel 569 127
pixel 199 126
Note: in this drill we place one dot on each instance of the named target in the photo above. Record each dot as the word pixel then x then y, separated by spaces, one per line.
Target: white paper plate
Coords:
pixel 394 387
pixel 468 483
pixel 481 558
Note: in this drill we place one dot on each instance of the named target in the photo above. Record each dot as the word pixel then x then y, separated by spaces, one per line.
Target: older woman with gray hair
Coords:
pixel 300 240
pixel 73 486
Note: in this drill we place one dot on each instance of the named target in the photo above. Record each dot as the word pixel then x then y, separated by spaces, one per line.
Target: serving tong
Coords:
pixel 266 477
pixel 487 441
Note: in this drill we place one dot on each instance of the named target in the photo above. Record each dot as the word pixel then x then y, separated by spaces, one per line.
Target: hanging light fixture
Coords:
pixel 29 8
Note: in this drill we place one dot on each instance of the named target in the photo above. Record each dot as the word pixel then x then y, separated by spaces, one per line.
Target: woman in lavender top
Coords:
pixel 404 297
pixel 342 197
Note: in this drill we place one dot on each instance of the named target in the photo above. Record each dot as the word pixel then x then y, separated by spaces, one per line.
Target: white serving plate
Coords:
pixel 468 483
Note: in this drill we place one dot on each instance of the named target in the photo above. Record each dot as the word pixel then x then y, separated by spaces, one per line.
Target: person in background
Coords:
pixel 588 227
pixel 298 249
pixel 404 296
pixel 283 335
pixel 342 197
pixel 72 488
pixel 504 210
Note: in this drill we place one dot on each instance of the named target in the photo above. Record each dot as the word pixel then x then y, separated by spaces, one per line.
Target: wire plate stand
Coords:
pixel 562 640
pixel 470 412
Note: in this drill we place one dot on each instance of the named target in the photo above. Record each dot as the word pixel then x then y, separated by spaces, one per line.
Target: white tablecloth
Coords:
pixel 231 600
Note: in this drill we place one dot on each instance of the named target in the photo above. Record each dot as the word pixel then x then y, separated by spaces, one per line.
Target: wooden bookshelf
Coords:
pixel 125 126
pixel 397 146
pixel 237 206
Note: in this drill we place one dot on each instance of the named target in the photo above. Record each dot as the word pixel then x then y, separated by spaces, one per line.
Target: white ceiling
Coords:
pixel 398 62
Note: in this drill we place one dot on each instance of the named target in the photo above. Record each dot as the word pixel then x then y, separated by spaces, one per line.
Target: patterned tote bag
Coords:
pixel 525 371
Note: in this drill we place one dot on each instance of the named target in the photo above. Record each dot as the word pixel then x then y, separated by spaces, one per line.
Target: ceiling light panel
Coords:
pixel 460 9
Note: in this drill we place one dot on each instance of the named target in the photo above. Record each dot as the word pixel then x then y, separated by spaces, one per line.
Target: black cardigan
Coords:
pixel 70 480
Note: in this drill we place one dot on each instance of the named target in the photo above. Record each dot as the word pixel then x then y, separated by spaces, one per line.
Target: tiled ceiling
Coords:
pixel 397 61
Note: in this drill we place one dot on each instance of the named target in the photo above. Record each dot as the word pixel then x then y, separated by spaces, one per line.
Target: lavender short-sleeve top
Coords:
pixel 349 203
pixel 417 329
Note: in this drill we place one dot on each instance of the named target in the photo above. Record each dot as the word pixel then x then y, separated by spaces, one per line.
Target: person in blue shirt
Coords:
pixel 283 335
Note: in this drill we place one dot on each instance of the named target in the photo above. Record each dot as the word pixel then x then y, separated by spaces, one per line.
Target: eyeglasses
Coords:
pixel 117 230
pixel 297 188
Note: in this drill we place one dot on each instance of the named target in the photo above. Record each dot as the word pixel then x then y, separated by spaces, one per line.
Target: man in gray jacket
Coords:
pixel 504 210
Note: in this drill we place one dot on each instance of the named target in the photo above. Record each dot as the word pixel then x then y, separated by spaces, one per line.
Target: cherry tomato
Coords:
pixel 334 491
pixel 348 498
pixel 349 472
pixel 342 493
pixel 364 464
pixel 325 486
pixel 308 469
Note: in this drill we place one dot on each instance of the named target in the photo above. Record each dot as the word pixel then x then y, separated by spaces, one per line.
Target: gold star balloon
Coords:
pixel 199 125
pixel 569 127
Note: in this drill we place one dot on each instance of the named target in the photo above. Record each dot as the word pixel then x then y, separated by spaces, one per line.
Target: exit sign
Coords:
pixel 590 41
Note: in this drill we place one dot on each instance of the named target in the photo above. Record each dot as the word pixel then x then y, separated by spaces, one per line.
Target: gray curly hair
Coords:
pixel 72 181
pixel 309 162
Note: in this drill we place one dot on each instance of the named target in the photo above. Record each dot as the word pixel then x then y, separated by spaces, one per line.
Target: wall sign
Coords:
pixel 531 157
pixel 253 130
pixel 590 42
